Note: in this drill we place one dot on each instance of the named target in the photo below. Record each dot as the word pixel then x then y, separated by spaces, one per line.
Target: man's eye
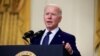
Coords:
pixel 47 13
pixel 54 14
pixel 51 14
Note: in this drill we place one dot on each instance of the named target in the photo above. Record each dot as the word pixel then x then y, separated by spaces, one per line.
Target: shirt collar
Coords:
pixel 54 31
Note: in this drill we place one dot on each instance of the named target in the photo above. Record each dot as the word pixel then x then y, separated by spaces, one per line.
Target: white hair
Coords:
pixel 54 5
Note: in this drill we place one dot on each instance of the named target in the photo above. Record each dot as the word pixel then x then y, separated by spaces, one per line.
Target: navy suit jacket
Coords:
pixel 58 38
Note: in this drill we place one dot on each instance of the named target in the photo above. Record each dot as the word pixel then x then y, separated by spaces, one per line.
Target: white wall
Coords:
pixel 78 19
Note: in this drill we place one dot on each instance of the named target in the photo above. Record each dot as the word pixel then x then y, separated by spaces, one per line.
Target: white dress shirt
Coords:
pixel 51 36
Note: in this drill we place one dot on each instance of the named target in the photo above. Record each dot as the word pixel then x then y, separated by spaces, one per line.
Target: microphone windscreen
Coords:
pixel 28 34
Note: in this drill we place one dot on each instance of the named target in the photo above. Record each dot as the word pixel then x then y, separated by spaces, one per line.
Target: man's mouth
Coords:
pixel 49 22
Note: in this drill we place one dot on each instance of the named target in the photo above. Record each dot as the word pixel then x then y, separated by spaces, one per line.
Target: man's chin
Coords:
pixel 49 27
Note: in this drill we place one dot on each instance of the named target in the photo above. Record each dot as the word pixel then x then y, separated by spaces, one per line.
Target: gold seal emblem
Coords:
pixel 25 53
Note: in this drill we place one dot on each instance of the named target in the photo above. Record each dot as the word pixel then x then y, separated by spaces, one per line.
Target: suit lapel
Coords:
pixel 57 38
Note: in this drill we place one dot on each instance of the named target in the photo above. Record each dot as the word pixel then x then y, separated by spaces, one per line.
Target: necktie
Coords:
pixel 46 39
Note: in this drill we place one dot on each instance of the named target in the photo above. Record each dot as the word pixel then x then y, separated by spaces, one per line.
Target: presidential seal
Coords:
pixel 25 53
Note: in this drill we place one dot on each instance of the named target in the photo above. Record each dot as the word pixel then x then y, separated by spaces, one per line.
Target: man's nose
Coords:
pixel 49 16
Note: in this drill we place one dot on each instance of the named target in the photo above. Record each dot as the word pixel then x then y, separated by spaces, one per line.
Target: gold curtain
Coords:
pixel 97 29
pixel 14 21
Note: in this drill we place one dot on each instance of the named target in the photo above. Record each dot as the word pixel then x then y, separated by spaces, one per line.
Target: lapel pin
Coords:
pixel 59 35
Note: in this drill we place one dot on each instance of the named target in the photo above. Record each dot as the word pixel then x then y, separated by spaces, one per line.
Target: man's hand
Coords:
pixel 68 48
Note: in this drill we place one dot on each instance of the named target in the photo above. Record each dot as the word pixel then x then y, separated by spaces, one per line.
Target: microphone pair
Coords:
pixel 30 34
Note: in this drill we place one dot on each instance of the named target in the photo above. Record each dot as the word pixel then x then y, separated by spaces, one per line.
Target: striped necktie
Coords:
pixel 46 39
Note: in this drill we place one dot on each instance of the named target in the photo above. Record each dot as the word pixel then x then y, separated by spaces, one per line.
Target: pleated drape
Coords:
pixel 97 30
pixel 14 21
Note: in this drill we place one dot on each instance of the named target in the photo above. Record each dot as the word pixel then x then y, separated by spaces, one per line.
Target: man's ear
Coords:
pixel 60 18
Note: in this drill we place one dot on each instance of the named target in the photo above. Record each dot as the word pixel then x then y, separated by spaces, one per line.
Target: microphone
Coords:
pixel 36 35
pixel 28 34
pixel 39 33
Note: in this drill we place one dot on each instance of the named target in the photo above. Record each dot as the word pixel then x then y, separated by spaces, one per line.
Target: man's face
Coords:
pixel 52 17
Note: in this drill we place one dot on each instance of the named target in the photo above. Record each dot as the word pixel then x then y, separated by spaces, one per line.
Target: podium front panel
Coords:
pixel 29 50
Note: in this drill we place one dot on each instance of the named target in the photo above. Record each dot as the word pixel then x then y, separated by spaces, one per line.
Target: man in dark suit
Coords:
pixel 53 35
